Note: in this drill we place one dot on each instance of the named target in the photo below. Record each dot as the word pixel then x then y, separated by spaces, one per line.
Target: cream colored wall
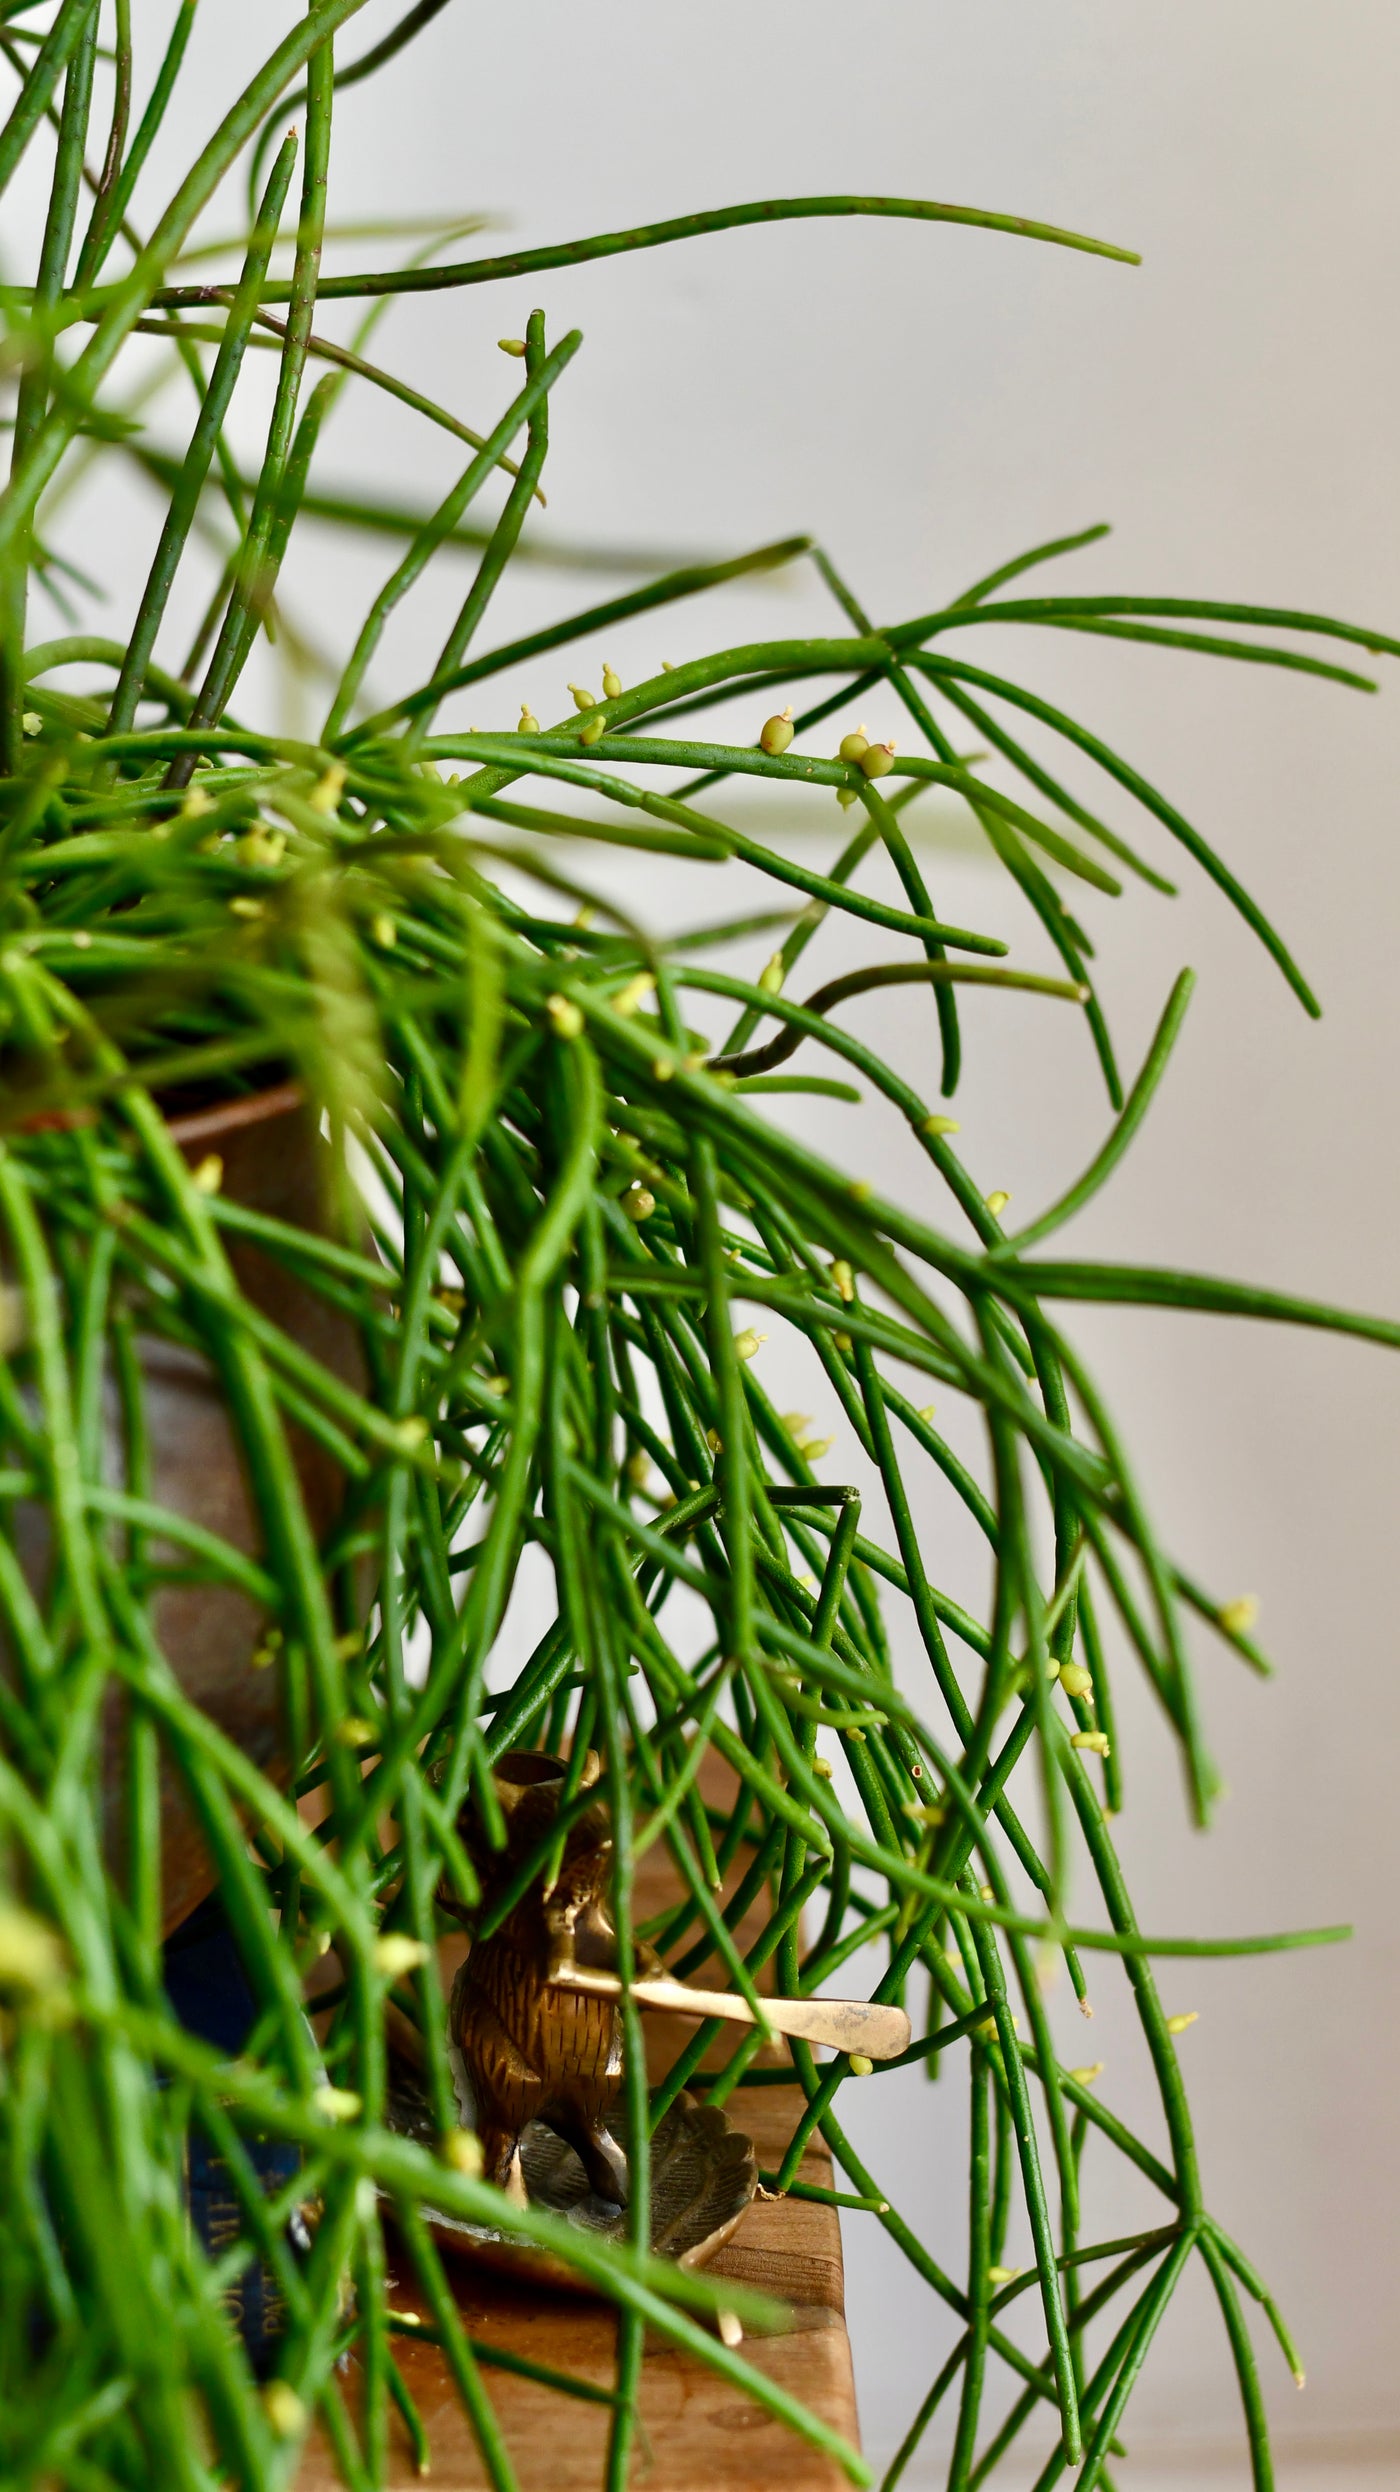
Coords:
pixel 932 401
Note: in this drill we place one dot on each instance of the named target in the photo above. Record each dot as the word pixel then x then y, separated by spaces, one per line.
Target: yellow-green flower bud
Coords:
pixel 529 724
pixel 638 1202
pixel 593 729
pixel 1096 1741
pixel 209 1175
pixel 997 1202
pixel 284 2409
pixel 583 700
pixel 1237 1617
pixel 772 974
pixel 329 788
pixel 1178 2024
pixel 860 2066
pixel 462 2149
pixel 937 1125
pixel 1086 2076
pixel 612 683
pixel 845 798
pixel 565 1014
pixel 748 1342
pixel 878 759
pixel 511 345
pixel 1075 1680
pixel 775 735
pixel 336 2102
pixel 30 1957
pixel 844 1279
pixel 631 997
pixel 396 1953
pixel 853 747
pixel 262 846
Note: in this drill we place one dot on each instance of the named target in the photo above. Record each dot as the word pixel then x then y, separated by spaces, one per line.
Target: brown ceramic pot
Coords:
pixel 274 1161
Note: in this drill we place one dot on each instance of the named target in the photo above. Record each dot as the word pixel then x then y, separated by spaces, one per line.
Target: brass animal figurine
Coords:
pixel 534 2008
pixel 534 2051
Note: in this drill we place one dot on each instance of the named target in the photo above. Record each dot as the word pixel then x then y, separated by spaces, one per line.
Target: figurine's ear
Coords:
pixel 521 1772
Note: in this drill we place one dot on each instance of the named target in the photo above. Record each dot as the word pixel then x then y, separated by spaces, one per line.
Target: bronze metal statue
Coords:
pixel 534 2009
pixel 532 2050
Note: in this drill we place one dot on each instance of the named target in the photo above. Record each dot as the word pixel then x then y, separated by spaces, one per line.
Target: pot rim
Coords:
pixel 259 1107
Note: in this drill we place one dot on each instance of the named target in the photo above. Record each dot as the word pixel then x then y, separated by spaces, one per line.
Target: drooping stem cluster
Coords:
pixel 562 1212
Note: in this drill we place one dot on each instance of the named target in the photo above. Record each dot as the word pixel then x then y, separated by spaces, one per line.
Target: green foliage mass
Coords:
pixel 562 1204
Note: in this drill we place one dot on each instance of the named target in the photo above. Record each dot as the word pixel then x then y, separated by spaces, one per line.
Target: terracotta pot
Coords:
pixel 274 1161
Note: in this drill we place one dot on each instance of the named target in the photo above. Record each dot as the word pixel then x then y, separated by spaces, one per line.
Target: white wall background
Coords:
pixel 930 401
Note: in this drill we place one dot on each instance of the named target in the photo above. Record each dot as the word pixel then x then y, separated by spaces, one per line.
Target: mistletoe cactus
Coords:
pixel 505 1338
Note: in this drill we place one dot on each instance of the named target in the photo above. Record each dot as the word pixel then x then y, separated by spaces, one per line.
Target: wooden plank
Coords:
pixel 696 2431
